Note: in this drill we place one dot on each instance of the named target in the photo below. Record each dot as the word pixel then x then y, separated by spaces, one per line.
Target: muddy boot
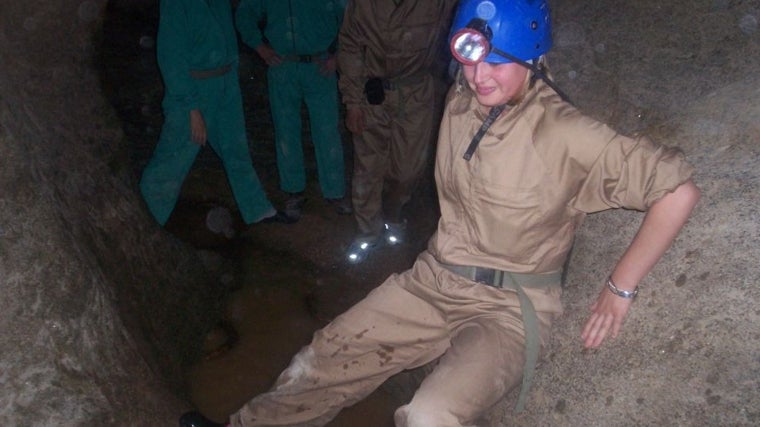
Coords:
pixel 196 419
pixel 279 217
pixel 342 206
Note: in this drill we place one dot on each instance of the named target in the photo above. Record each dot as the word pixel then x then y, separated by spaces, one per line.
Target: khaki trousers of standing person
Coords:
pixel 392 152
pixel 411 319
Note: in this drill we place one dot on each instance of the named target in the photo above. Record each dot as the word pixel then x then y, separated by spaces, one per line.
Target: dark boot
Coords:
pixel 342 206
pixel 294 205
pixel 279 217
pixel 196 419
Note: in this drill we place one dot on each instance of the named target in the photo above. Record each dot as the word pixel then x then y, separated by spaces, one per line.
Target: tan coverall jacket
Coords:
pixel 402 44
pixel 514 206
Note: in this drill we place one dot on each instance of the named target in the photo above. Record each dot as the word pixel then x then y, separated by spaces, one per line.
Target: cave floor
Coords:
pixel 294 278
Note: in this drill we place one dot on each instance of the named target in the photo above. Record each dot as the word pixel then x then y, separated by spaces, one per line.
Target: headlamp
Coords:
pixel 472 44
pixel 469 46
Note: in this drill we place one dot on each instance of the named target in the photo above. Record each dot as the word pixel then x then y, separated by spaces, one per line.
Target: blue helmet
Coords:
pixel 482 28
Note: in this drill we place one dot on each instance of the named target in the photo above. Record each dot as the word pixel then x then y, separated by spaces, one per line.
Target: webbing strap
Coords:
pixel 516 282
pixel 530 320
pixel 492 115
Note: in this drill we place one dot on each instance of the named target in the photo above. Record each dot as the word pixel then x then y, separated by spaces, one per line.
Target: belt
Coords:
pixel 207 74
pixel 321 56
pixel 397 83
pixel 515 282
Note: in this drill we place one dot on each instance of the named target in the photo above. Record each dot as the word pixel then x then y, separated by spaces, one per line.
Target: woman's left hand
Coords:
pixel 607 316
pixel 662 223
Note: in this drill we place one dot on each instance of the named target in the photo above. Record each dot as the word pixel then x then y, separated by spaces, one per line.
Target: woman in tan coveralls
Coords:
pixel 518 168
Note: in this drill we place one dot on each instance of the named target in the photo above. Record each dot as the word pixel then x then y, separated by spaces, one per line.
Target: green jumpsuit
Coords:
pixel 198 58
pixel 301 32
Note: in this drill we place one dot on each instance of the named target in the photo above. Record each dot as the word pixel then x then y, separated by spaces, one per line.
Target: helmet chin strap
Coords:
pixel 492 115
pixel 538 70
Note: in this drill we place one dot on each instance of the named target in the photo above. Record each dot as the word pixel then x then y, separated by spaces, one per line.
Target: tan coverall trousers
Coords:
pixel 411 319
pixel 392 153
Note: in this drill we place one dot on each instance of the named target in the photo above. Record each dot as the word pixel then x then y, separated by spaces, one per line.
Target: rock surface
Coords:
pixel 96 299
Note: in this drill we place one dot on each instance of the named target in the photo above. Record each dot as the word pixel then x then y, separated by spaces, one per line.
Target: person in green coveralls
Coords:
pixel 198 58
pixel 298 45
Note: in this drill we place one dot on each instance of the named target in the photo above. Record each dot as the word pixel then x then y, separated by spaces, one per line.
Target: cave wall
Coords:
pixel 98 303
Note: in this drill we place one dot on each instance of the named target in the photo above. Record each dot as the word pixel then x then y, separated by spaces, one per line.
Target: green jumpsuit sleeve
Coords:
pixel 174 47
pixel 247 17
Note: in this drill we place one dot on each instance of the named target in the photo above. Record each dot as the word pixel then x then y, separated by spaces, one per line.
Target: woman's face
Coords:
pixel 495 84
